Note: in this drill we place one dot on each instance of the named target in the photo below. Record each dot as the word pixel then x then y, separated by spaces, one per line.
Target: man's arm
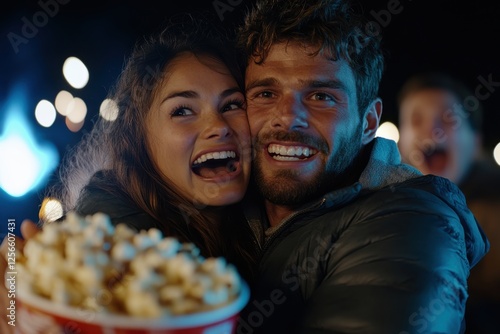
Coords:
pixel 400 272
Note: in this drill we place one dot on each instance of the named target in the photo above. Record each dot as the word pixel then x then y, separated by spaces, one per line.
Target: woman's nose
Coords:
pixel 216 126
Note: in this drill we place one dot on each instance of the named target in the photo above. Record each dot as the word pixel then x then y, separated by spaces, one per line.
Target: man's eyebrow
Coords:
pixel 334 84
pixel 266 82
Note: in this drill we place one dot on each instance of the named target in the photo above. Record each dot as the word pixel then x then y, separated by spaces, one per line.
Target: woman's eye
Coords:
pixel 183 111
pixel 233 105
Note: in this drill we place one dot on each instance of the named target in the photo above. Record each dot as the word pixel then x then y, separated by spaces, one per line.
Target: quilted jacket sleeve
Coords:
pixel 395 271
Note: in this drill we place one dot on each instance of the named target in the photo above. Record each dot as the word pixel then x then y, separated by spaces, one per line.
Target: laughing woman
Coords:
pixel 177 157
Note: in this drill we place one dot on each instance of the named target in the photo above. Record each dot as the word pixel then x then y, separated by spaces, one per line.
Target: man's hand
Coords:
pixel 28 230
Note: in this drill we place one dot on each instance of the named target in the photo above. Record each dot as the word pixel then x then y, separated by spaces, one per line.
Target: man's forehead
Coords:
pixel 298 65
pixel 301 72
pixel 292 50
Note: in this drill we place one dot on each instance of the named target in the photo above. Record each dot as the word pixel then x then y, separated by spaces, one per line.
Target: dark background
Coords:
pixel 460 38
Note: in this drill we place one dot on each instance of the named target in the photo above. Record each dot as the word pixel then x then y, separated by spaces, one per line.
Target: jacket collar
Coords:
pixel 384 166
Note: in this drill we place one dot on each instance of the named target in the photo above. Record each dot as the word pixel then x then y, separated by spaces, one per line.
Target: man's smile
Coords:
pixel 289 152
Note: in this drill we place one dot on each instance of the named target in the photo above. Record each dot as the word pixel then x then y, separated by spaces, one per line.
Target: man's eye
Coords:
pixel 181 111
pixel 265 94
pixel 322 97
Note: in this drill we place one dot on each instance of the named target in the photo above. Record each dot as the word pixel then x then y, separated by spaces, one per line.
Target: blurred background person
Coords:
pixel 440 122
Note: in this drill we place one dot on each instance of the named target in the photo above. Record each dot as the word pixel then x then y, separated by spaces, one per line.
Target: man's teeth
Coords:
pixel 281 152
pixel 215 155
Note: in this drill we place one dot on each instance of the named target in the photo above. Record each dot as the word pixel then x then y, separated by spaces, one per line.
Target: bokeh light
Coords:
pixel 63 98
pixel 75 72
pixel 50 210
pixel 77 110
pixel 496 153
pixel 73 127
pixel 388 130
pixel 45 113
pixel 27 161
pixel 109 110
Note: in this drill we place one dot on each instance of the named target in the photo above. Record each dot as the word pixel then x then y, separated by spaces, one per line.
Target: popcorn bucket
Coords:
pixel 37 315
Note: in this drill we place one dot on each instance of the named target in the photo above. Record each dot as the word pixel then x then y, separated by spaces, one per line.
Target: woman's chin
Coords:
pixel 222 196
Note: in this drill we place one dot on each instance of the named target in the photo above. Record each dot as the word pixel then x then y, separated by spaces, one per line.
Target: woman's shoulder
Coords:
pixel 103 194
pixel 102 187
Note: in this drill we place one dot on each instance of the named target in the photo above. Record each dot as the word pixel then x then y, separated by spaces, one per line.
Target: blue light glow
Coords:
pixel 25 163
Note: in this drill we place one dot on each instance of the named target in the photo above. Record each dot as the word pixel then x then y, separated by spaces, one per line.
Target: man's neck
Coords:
pixel 277 213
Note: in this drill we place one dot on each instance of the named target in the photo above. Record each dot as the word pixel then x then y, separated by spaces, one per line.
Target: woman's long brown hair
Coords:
pixel 120 147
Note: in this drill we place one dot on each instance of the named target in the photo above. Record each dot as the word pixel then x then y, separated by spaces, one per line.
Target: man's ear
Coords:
pixel 371 121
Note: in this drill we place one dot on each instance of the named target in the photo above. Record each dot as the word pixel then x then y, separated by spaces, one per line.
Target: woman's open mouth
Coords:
pixel 216 164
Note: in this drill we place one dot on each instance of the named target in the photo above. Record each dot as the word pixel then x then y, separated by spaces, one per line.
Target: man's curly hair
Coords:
pixel 334 26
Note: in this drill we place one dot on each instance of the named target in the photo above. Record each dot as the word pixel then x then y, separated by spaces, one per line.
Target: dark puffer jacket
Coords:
pixel 102 194
pixel 389 254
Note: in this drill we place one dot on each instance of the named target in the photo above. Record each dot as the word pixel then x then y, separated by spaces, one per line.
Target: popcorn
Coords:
pixel 216 295
pixel 123 251
pixel 50 237
pixel 168 247
pixel 171 293
pixel 143 304
pixel 78 261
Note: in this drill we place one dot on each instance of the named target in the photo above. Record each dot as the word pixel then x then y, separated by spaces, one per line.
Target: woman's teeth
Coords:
pixel 215 155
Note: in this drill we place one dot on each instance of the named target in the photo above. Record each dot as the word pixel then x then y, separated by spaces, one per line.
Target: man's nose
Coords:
pixel 290 114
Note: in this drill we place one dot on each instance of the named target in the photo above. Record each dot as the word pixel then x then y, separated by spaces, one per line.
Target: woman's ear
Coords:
pixel 371 121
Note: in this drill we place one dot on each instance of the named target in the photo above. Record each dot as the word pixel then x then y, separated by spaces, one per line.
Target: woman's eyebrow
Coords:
pixel 193 94
pixel 184 93
pixel 230 91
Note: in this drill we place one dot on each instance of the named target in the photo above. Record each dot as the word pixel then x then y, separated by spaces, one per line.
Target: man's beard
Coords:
pixel 286 187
